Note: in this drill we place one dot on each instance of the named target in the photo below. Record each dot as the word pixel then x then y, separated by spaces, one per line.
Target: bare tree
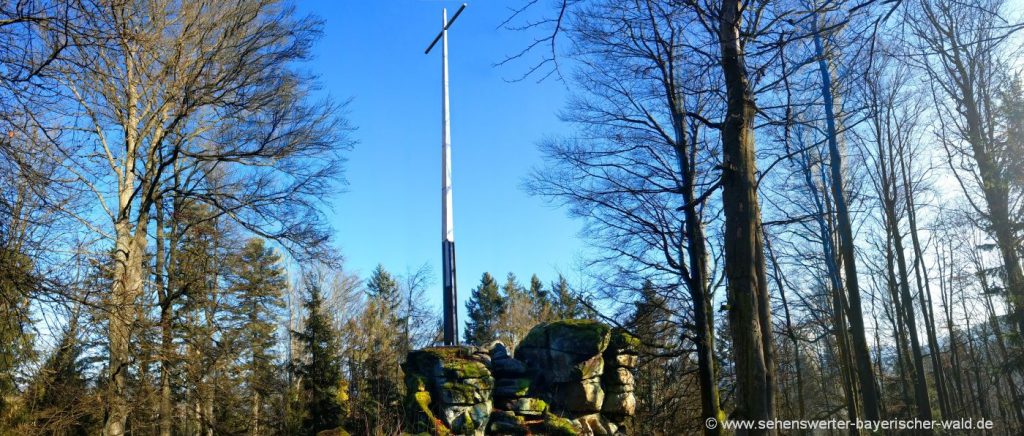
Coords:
pixel 204 94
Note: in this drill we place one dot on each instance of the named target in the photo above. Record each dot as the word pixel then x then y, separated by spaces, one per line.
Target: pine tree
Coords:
pixel 16 340
pixel 319 368
pixel 485 307
pixel 658 374
pixel 566 305
pixel 541 300
pixel 258 286
pixel 378 387
pixel 58 395
pixel 383 286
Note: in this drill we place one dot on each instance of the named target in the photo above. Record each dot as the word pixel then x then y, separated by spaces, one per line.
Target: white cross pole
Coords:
pixel 451 311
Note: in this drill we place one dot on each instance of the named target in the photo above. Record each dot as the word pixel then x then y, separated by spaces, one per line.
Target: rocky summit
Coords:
pixel 569 377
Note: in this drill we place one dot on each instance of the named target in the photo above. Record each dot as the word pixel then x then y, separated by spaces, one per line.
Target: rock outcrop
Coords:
pixel 448 390
pixel 567 377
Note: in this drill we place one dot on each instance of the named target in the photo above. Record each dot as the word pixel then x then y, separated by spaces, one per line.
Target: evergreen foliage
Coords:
pixel 566 305
pixel 319 368
pixel 257 286
pixel 484 308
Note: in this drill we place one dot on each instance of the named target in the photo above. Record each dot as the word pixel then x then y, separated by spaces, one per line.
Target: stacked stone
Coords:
pixel 567 378
pixel 449 389
pixel 620 359
pixel 569 360
pixel 514 411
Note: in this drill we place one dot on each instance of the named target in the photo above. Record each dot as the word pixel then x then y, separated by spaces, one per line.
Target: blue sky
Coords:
pixel 372 52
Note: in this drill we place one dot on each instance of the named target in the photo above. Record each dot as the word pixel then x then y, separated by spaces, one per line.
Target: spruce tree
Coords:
pixel 258 285
pixel 385 305
pixel 657 375
pixel 58 395
pixel 379 390
pixel 484 308
pixel 383 286
pixel 541 300
pixel 16 339
pixel 319 368
pixel 566 305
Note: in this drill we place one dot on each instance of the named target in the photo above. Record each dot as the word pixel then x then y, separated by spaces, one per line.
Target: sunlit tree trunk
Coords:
pixel 744 260
pixel 861 353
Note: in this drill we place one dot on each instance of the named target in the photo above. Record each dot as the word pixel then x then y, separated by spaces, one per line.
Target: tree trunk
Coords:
pixel 166 335
pixel 859 341
pixel 835 286
pixel 924 290
pixel 130 249
pixel 975 366
pixel 790 332
pixel 696 280
pixel 887 174
pixel 743 260
pixel 947 305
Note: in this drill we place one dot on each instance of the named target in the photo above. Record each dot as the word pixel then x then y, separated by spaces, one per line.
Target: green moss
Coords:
pixel 557 426
pixel 623 341
pixel 583 331
pixel 459 387
pixel 508 424
pixel 422 400
pixel 539 404
pixel 464 368
pixel 522 386
pixel 452 362
pixel 424 418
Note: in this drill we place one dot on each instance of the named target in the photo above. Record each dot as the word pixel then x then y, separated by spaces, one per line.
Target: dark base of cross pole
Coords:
pixel 450 298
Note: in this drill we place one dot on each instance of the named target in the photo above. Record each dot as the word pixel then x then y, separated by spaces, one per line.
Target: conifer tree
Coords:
pixel 657 376
pixel 319 367
pixel 540 298
pixel 383 286
pixel 484 308
pixel 566 305
pixel 377 389
pixel 258 286
pixel 59 392
pixel 15 337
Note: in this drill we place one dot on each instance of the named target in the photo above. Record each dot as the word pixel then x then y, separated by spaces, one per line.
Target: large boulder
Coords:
pixel 565 351
pixel 569 377
pixel 449 389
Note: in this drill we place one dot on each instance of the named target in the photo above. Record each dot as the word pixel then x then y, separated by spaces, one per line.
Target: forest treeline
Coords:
pixel 804 209
pixel 822 197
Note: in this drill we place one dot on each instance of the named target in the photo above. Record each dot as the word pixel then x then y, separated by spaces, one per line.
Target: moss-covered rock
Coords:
pixel 621 342
pixel 525 406
pixel 449 390
pixel 565 351
pixel 512 387
pixel 557 426
pixel 568 377
pixel 420 416
pixel 584 337
pixel 617 377
pixel 503 422
pixel 619 405
pixel 508 367
pixel 596 424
